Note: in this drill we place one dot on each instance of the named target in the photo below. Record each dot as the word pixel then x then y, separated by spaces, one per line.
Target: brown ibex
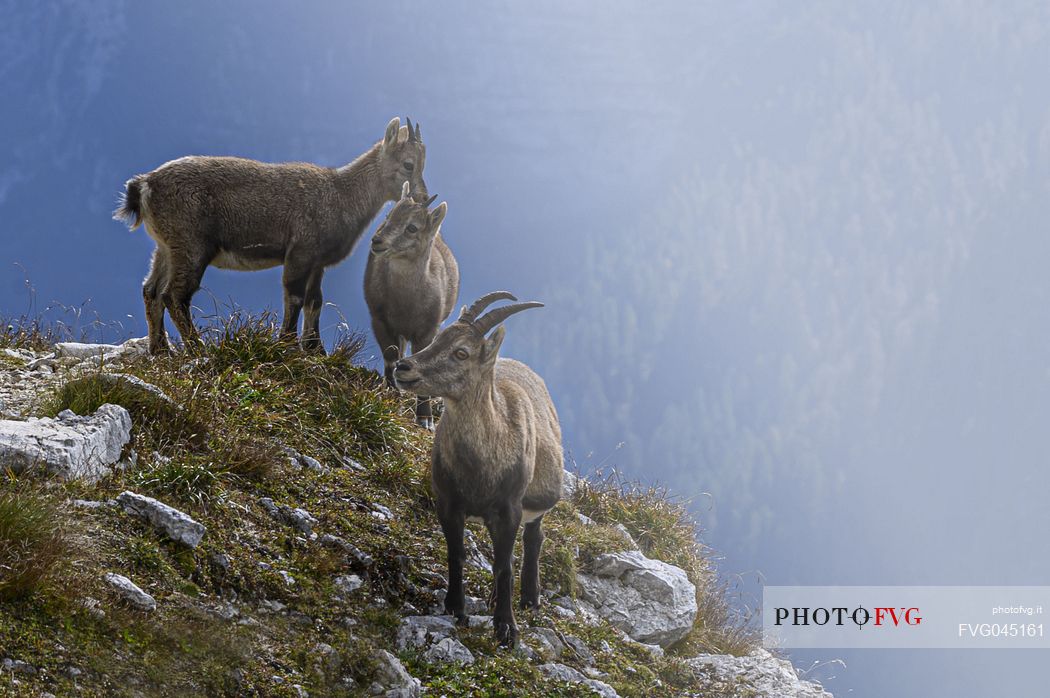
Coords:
pixel 411 283
pixel 497 451
pixel 241 214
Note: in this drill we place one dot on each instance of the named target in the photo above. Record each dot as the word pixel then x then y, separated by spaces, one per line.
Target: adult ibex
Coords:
pixel 241 214
pixel 497 451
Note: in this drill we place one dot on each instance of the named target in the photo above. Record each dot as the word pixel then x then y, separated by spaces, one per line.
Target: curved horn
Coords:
pixel 430 200
pixel 411 133
pixel 490 320
pixel 419 136
pixel 471 314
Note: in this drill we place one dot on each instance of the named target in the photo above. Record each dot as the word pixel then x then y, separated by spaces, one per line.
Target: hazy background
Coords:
pixel 794 254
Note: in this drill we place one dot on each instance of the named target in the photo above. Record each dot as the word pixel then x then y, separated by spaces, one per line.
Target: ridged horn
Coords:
pixel 430 200
pixel 471 314
pixel 411 133
pixel 419 136
pixel 490 320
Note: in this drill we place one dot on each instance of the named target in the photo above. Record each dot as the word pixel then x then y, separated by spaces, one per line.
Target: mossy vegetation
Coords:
pixel 256 610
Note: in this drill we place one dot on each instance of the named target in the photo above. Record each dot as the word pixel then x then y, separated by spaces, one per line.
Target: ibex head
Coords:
pixel 460 360
pixel 409 228
pixel 402 157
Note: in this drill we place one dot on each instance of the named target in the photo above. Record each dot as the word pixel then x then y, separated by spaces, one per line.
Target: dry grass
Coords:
pixel 33 541
pixel 664 529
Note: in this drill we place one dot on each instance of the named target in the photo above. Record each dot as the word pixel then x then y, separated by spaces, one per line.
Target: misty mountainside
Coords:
pixel 247 519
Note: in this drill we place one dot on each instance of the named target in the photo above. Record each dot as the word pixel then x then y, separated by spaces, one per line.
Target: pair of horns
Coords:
pixel 406 192
pixel 414 136
pixel 486 322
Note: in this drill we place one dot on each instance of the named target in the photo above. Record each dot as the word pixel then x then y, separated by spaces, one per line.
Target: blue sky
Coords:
pixel 793 255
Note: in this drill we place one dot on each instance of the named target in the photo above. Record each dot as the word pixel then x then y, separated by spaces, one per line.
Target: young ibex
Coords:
pixel 411 283
pixel 234 213
pixel 497 451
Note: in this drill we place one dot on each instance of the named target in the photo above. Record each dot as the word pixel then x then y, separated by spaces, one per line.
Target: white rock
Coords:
pixel 626 535
pixel 651 600
pixel 474 555
pixel 569 483
pixel 79 350
pixel 70 446
pixel 17 666
pixel 348 583
pixel 394 678
pixel 381 512
pixel 763 674
pixel 448 651
pixel 560 672
pixel 299 519
pixel 174 523
pixel 547 643
pixel 130 592
pixel 137 383
pixel 419 631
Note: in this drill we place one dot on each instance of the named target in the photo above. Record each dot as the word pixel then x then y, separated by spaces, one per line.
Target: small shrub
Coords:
pixel 32 540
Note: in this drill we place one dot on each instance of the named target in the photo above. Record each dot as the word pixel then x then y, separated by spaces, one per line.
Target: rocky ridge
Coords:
pixel 625 601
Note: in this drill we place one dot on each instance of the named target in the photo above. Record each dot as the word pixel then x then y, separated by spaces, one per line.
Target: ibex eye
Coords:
pixel 411 228
pixel 461 354
pixel 408 166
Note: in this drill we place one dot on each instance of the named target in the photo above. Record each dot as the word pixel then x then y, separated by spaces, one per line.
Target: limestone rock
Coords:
pixel 765 675
pixel 392 679
pixel 104 352
pixel 136 383
pixel 175 524
pixel 299 519
pixel 130 592
pixel 419 631
pixel 569 483
pixel 448 650
pixel 69 446
pixel 348 583
pixel 336 543
pixel 546 642
pixel 651 600
pixel 80 350
pixel 561 672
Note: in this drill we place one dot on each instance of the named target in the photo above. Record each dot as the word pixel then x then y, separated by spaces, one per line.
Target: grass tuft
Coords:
pixel 664 529
pixel 32 540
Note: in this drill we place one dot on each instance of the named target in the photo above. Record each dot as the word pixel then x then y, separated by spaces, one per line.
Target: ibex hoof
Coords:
pixel 506 633
pixel 426 422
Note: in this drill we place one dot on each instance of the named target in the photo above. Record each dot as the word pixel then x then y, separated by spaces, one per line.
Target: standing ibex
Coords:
pixel 411 283
pixel 234 213
pixel 497 451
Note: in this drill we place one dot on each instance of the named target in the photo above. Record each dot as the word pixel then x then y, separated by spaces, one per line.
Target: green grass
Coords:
pixel 33 540
pixel 241 398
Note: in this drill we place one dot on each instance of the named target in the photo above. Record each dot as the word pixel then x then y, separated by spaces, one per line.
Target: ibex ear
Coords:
pixel 392 129
pixel 404 190
pixel 493 343
pixel 438 215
